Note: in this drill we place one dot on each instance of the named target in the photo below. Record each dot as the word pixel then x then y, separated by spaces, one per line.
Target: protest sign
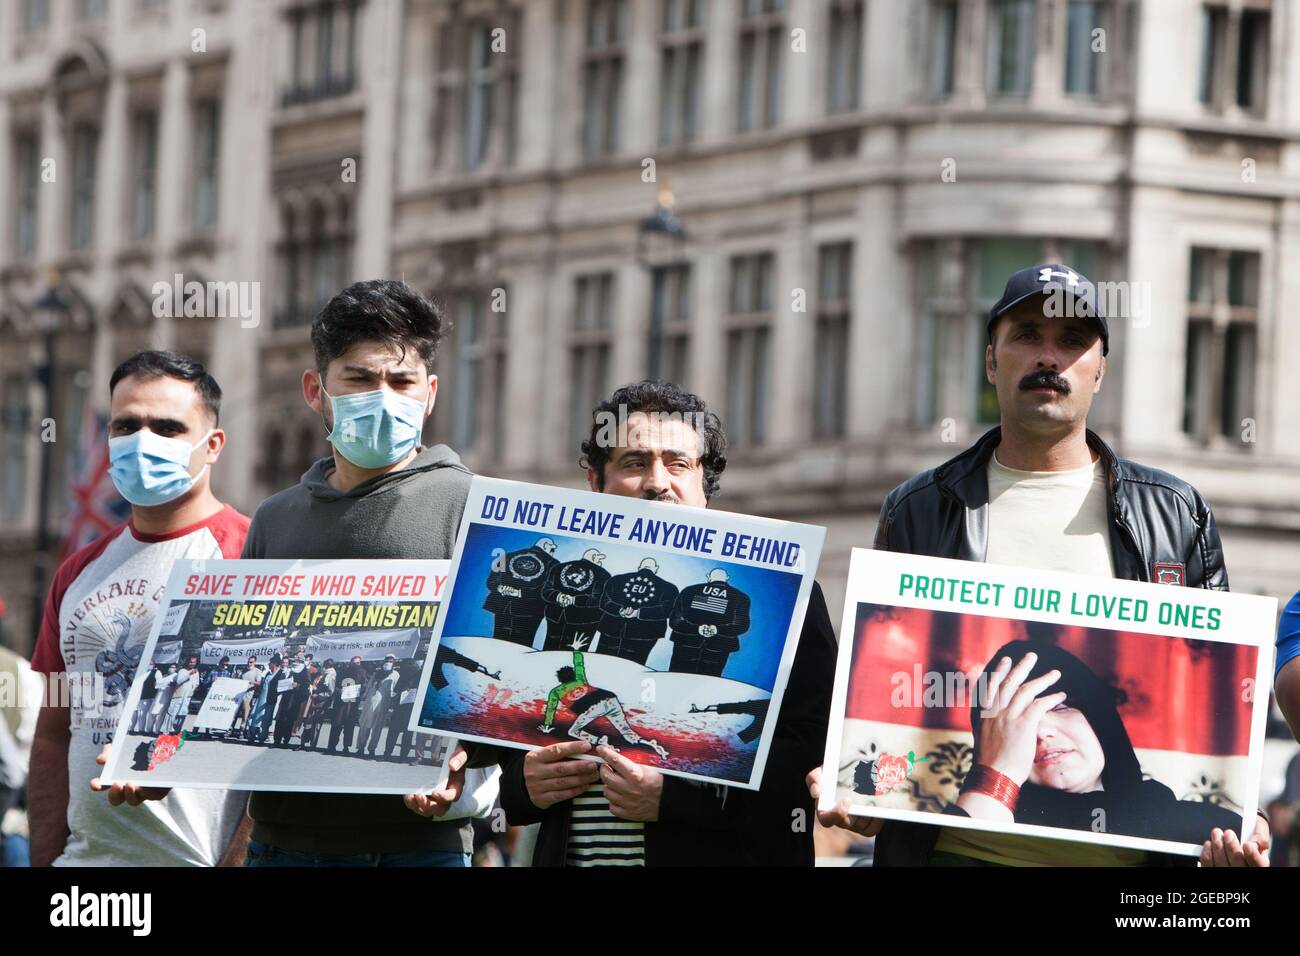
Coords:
pixel 295 710
pixel 664 631
pixel 1029 702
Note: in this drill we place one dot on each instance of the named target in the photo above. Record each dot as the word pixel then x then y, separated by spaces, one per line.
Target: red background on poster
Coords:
pixel 1176 694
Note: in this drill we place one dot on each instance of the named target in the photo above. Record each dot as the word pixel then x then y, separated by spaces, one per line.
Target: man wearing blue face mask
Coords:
pixel 163 441
pixel 379 494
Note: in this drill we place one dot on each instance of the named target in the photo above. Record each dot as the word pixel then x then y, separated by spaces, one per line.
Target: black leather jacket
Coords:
pixel 1161 530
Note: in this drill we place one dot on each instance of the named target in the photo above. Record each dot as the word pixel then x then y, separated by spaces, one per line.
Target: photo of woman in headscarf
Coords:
pixel 1051 750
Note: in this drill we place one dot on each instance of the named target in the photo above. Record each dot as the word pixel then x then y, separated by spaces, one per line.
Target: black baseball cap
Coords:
pixel 1046 280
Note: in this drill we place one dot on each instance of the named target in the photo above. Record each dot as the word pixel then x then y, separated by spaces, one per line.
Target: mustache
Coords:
pixel 1045 378
pixel 667 496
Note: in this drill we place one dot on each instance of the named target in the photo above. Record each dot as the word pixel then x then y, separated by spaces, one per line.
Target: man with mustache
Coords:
pixel 1043 491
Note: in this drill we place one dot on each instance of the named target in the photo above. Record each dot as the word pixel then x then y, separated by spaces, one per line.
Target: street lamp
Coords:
pixel 661 222
pixel 49 313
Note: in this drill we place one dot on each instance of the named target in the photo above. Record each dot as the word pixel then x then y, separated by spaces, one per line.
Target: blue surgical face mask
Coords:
pixel 149 469
pixel 375 429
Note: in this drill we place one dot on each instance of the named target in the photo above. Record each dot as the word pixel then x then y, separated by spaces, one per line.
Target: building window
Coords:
pixel 831 343
pixel 144 179
pixel 478 343
pixel 36 15
pixel 324 268
pixel 69 410
pixel 590 345
pixel 478 96
pixel 844 64
pixel 15 417
pixel 670 323
pixel 681 52
pixel 1214 39
pixel 957 281
pixel 749 335
pixel 1239 70
pixel 1222 341
pixel 1252 60
pixel 943 48
pixel 85 149
pixel 207 149
pixel 762 45
pixel 602 77
pixel 322 50
pixel 477 93
pixel 91 9
pixel 1081 63
pixel 27 158
pixel 1010 47
pixel 290 452
pixel 314 257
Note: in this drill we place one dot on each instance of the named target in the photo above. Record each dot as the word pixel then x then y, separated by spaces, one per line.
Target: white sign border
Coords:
pixel 869 568
pixel 183 567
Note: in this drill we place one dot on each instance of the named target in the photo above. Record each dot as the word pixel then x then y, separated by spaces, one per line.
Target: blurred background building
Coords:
pixel 800 209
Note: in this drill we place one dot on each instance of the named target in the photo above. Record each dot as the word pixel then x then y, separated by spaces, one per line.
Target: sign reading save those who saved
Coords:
pixel 322 658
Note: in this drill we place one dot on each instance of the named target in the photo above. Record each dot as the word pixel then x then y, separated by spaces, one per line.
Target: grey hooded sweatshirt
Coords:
pixel 413 513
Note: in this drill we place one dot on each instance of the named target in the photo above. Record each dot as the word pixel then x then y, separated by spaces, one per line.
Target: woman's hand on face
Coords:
pixel 1008 728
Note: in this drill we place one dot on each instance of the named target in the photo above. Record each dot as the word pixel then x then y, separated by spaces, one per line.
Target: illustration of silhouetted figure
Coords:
pixel 572 594
pixel 446 656
pixel 588 704
pixel 635 609
pixel 755 708
pixel 707 622
pixel 515 592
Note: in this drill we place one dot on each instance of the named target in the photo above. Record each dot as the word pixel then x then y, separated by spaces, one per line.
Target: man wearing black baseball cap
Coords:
pixel 1042 491
pixel 1069 294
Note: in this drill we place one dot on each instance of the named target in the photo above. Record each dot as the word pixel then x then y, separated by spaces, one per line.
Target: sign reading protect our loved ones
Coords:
pixel 981 697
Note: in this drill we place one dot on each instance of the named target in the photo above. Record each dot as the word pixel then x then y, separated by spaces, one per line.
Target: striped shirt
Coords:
pixel 598 838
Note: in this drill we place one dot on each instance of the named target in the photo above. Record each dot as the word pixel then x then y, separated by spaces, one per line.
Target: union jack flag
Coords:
pixel 94 506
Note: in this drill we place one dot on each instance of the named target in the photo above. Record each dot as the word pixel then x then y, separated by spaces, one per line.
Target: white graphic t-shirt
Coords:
pixel 98 614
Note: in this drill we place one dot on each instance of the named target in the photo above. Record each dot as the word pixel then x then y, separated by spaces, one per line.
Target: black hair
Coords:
pixel 566 675
pixel 665 398
pixel 378 310
pixel 153 363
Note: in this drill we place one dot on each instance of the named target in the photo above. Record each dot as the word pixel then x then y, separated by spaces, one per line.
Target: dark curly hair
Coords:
pixel 664 398
pixel 378 310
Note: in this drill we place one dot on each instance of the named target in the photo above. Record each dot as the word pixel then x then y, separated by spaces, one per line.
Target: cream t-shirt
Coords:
pixel 1055 521
pixel 1049 520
